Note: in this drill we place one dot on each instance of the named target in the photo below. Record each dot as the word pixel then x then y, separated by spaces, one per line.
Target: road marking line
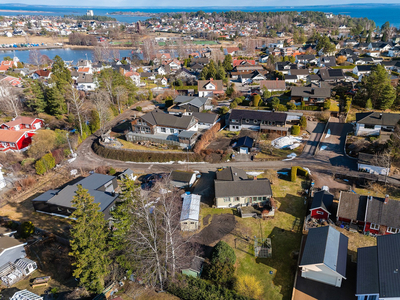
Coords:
pixel 150 167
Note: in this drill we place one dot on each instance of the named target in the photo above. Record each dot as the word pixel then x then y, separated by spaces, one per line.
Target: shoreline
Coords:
pixel 26 11
pixel 72 47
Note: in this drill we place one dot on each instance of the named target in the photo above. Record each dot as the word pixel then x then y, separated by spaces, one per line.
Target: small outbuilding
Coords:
pixel 321 205
pixel 372 164
pixel 324 256
pixel 196 267
pixel 182 179
pixel 243 145
pixel 25 295
pixel 190 212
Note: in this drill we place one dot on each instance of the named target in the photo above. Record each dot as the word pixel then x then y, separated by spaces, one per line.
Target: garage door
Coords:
pixel 243 150
pixel 320 276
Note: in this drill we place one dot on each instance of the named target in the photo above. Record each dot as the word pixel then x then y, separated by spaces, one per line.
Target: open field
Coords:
pixel 32 39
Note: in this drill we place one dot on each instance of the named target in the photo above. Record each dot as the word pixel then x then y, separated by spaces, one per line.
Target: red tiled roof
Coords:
pixel 20 120
pixel 43 73
pixel 84 69
pixel 11 136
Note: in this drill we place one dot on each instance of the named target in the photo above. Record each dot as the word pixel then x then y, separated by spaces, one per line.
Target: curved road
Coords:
pixel 331 160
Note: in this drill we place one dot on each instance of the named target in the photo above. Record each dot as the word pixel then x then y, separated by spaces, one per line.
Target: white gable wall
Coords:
pixel 321 273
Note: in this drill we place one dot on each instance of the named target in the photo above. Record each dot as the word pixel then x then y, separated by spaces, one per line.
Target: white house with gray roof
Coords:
pixel 324 257
pixel 372 123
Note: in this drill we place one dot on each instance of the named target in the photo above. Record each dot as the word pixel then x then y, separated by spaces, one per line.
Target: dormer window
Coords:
pixel 374 226
pixel 393 230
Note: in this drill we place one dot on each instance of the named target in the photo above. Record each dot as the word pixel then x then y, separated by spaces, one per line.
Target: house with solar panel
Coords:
pixel 378 269
pixel 324 258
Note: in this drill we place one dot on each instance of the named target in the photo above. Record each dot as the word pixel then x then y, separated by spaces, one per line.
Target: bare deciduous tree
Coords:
pixel 101 101
pixel 74 97
pixel 35 57
pixel 10 101
pixel 120 95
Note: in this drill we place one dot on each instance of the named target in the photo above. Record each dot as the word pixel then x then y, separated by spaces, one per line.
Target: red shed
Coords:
pixel 321 205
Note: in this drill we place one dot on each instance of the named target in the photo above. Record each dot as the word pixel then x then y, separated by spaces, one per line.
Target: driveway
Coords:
pixel 315 129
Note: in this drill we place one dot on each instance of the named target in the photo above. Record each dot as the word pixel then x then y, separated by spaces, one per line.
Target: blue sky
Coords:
pixel 204 3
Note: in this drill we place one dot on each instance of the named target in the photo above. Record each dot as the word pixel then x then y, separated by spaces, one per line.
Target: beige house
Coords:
pixel 233 188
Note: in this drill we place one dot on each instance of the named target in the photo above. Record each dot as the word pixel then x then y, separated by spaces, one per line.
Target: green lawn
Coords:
pixel 279 284
pixel 344 67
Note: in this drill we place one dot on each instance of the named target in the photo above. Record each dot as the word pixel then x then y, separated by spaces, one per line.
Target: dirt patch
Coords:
pixel 220 226
pixel 206 219
pixel 222 143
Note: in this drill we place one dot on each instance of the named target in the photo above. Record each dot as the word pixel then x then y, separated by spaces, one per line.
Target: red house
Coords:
pixel 321 205
pixel 379 216
pixel 23 123
pixel 15 140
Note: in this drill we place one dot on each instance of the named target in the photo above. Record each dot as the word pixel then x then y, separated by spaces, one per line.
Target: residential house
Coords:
pixel 205 120
pixel 310 95
pixel 86 82
pixel 292 79
pixel 350 42
pixel 184 74
pixel 163 70
pixel 187 138
pixel 135 78
pixel 306 59
pixel 273 85
pixel 210 88
pixel 200 60
pixel 58 202
pixel 324 258
pixel 381 216
pixel 195 268
pixel 264 121
pixel 190 214
pixel 321 205
pixel 15 140
pixel 6 65
pixel 242 62
pixel 377 270
pixel 188 104
pixel 247 68
pixel 361 46
pixel 373 164
pixel 45 74
pixel 360 60
pixel 346 52
pixel 284 67
pixel 362 70
pixel 374 123
pixel 231 50
pixel 147 75
pixel 314 80
pixel 300 73
pixel 327 61
pixel 351 208
pixel 254 76
pixel 243 145
pixel 157 122
pixel 233 188
pixel 23 122
pixel 332 75
pixel 182 179
pixel 394 52
pixel 379 46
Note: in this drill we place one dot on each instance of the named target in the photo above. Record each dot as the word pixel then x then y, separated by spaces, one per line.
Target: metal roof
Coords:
pixel 328 246
pixel 367 271
pixel 168 120
pixel 242 188
pixel 187 134
pixel 244 141
pixel 191 207
pixel 322 199
pixel 389 265
pixel 95 181
pixel 25 295
pixel 378 118
pixel 240 114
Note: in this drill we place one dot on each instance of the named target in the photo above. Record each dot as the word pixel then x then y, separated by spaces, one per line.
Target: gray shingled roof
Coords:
pixel 239 114
pixel 378 118
pixel 195 101
pixel 231 174
pixel 242 188
pixel 383 214
pixel 328 246
pixel 181 176
pixel 367 271
pixel 389 265
pixel 273 84
pixel 208 118
pixel 322 199
pixel 370 159
pixel 302 91
pixel 167 120
pixel 352 206
pixel 299 72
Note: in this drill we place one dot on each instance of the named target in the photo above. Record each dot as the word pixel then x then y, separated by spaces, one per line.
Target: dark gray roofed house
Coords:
pixel 382 215
pixel 182 179
pixel 372 123
pixel 331 74
pixel 59 202
pixel 205 120
pixel 190 103
pixel 324 257
pixel 310 95
pixel 378 269
pixel 321 205
pixel 243 144
pixel 233 188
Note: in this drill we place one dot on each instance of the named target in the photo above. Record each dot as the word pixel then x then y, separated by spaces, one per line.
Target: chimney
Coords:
pixel 254 177
pixel 277 79
pixel 380 116
pixel 386 199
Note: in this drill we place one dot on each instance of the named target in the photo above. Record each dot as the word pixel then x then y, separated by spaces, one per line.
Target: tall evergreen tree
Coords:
pixel 89 241
pixel 56 104
pixel 35 96
pixel 227 64
pixel 61 75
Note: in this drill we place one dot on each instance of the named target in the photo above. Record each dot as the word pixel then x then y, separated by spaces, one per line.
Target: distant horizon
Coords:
pixel 198 7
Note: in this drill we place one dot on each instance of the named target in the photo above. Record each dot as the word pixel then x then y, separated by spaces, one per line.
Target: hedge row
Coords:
pixel 123 155
pixel 298 171
pixel 191 288
pixel 310 107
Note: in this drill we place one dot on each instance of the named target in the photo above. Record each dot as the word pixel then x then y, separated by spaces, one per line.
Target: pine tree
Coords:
pixel 388 96
pixel 124 216
pixel 61 75
pixel 89 241
pixel 368 104
pixel 55 102
pixel 35 97
pixel 227 64
pixel 221 73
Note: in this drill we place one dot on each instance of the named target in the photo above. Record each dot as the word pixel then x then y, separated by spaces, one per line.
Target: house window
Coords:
pixel 374 226
pixel 139 122
pixel 392 230
pixel 234 121
pixel 247 120
pixel 237 199
pixel 163 129
pixel 319 212
pixel 68 211
pixel 369 126
pixel 59 209
pixel 171 130
pixel 147 130
pixel 255 121
pixel 227 199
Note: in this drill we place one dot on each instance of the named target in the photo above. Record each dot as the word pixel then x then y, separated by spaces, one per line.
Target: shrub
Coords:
pixel 222 273
pixel 112 171
pixel 206 138
pixel 295 130
pixel 222 252
pixel 291 105
pixel 248 285
pixel 281 107
pixel 302 172
pixel 27 229
pixel 327 104
pixel 275 102
pixel 40 168
pixel 256 100
pixel 223 110
pixel 293 174
pixel 139 108
pixel 303 122
pixel 48 161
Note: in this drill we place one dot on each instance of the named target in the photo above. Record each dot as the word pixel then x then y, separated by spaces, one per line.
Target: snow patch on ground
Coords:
pixel 285 141
pixel 328 133
pixel 254 173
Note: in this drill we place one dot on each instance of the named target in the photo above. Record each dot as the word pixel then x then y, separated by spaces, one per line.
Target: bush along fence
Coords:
pixel 124 155
pixel 298 171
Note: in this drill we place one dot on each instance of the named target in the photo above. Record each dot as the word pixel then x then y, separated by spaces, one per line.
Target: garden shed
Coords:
pixel 190 212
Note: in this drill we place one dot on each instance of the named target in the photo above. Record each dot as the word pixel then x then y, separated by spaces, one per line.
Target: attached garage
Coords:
pixel 243 145
pixel 243 150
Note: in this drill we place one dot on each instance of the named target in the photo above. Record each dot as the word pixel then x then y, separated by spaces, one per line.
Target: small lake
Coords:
pixel 65 53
